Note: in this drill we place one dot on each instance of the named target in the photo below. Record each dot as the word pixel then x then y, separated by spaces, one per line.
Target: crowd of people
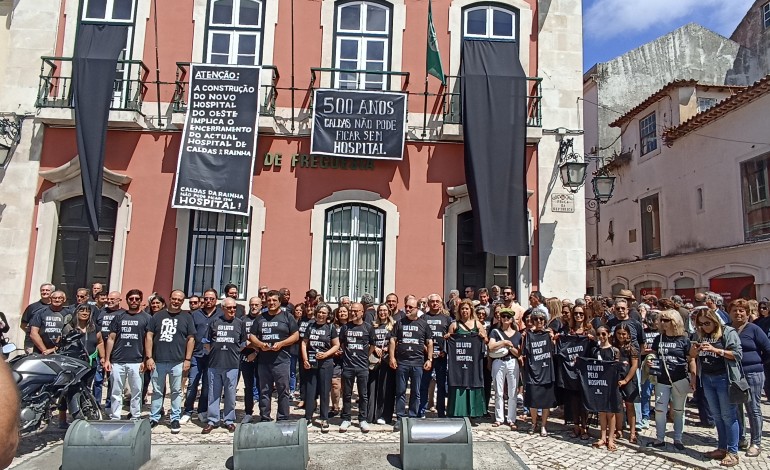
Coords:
pixel 422 356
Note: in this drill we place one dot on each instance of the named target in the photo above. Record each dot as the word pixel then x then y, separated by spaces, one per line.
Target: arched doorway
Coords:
pixel 480 269
pixel 79 259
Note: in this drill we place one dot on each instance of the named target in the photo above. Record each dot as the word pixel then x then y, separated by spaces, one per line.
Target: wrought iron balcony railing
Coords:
pixel 55 87
pixel 270 90
pixel 452 102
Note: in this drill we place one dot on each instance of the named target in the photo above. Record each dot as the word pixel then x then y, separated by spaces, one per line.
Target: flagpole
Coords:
pixel 425 108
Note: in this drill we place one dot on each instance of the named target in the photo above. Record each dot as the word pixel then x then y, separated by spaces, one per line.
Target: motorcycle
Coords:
pixel 45 380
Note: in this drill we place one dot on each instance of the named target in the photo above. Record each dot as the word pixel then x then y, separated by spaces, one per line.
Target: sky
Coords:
pixel 614 27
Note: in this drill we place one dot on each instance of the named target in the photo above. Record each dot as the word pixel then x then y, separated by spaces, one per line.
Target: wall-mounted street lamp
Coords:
pixel 573 167
pixel 10 135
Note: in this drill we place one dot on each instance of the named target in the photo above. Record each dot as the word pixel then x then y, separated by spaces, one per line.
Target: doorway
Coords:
pixel 480 269
pixel 80 260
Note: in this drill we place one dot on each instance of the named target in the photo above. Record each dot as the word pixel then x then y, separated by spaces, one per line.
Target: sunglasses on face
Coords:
pixel 230 307
pixel 705 323
pixel 135 297
pixel 602 334
pixel 578 313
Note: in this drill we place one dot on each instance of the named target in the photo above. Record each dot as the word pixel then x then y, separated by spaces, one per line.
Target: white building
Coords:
pixel 691 208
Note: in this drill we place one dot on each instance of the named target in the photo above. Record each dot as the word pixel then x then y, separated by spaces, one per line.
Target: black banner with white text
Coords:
pixel 219 142
pixel 360 124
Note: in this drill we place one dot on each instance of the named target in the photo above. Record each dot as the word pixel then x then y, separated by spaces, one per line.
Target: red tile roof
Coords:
pixel 738 100
pixel 651 99
pixel 629 115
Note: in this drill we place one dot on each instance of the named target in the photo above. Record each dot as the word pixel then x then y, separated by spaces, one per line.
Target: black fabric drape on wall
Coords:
pixel 494 110
pixel 93 78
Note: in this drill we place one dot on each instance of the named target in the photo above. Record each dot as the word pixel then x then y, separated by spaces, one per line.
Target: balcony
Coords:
pixel 55 96
pixel 452 107
pixel 346 79
pixel 268 92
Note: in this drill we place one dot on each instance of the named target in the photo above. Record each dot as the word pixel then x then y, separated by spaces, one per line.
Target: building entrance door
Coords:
pixel 79 260
pixel 481 269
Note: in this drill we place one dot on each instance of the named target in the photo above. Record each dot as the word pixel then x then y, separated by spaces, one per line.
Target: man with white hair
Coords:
pixel 32 309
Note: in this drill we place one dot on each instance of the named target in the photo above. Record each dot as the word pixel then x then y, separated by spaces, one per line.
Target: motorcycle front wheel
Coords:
pixel 87 408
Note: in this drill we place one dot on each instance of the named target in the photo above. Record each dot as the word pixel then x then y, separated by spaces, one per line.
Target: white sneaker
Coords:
pixel 246 419
pixel 364 426
pixel 184 419
pixel 381 421
pixel 202 417
pixel 344 426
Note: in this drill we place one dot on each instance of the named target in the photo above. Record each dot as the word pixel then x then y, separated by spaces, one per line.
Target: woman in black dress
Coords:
pixel 382 379
pixel 539 373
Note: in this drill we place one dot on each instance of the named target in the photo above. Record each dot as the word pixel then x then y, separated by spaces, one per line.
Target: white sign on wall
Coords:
pixel 562 203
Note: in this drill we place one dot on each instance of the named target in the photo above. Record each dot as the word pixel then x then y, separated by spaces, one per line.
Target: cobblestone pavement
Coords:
pixel 557 451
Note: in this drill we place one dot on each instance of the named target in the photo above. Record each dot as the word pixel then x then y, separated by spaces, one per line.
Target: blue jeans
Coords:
pixel 752 409
pixel 293 373
pixel 99 386
pixel 725 413
pixel 646 393
pixel 221 380
pixel 198 375
pixel 439 367
pixel 413 374
pixel 158 378
pixel 250 382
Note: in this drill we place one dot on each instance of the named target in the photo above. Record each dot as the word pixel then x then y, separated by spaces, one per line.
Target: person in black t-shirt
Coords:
pixel 672 348
pixel 409 345
pixel 125 354
pixel 47 324
pixel 272 334
pixel 169 344
pixel 249 363
pixel 357 342
pixel 29 313
pixel 103 320
pixel 438 320
pixel 225 341
pixel 318 347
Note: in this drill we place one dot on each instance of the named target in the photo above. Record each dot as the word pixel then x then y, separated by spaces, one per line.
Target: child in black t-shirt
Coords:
pixel 628 384
pixel 606 352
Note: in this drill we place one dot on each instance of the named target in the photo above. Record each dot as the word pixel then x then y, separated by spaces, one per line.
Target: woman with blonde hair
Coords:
pixel 675 375
pixel 719 354
pixel 381 385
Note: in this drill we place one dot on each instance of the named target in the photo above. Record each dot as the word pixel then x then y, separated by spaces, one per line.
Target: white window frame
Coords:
pixel 235 31
pixel 648 141
pixel 236 8
pixel 363 37
pixel 354 196
pixel 350 235
pixel 766 15
pixel 219 236
pixel 706 103
pixel 490 9
pixel 109 8
pixel 234 41
pixel 757 184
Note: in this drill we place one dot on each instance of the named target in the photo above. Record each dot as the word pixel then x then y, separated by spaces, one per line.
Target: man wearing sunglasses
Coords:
pixel 125 354
pixel 199 366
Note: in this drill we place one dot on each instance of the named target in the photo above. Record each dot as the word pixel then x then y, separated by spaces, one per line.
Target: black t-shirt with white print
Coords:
pixel 226 338
pixel 271 329
pixel 355 341
pixel 439 326
pixel 319 339
pixel 129 329
pixel 50 324
pixel 712 363
pixel 170 332
pixel 104 320
pixel 411 337
pixel 675 351
pixel 248 320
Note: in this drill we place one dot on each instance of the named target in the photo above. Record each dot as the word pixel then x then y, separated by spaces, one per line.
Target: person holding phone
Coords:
pixel 718 352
